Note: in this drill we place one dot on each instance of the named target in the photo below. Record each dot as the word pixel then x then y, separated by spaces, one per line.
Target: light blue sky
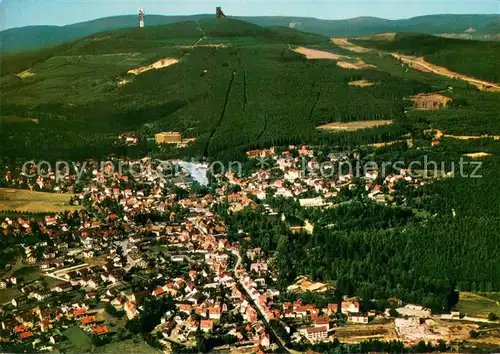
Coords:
pixel 17 13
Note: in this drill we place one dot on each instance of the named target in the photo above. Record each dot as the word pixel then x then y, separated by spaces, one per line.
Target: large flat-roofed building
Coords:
pixel 168 138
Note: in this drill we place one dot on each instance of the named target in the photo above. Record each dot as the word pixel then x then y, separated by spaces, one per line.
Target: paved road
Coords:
pixel 277 339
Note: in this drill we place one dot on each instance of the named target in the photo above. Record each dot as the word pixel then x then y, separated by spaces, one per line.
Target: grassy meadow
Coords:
pixel 34 202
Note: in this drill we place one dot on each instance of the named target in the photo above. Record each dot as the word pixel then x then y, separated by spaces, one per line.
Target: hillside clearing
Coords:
pixel 384 36
pixel 420 64
pixel 345 44
pixel 472 137
pixel 122 82
pixel 36 202
pixel 351 126
pixel 477 155
pixel 479 304
pixel 163 63
pixel 16 119
pixel 357 65
pixel 318 54
pixel 361 83
pixel 214 45
pixel 25 74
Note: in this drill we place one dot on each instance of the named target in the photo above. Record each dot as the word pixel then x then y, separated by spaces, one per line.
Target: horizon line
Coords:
pixel 256 16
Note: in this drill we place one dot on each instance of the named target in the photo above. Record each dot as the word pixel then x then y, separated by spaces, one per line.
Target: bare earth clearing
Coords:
pixel 36 202
pixel 318 54
pixel 25 74
pixel 361 83
pixel 163 63
pixel 345 44
pixel 303 284
pixel 477 155
pixel 357 65
pixel 351 126
pixel 343 61
pixel 440 134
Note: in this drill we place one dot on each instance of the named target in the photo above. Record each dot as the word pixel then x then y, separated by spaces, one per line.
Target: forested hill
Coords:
pixel 467 26
pixel 476 58
pixel 241 86
pixel 244 86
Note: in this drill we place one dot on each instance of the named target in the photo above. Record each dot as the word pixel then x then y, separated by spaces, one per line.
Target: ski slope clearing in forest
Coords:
pixel 354 125
pixel 163 63
pixel 420 64
pixel 318 54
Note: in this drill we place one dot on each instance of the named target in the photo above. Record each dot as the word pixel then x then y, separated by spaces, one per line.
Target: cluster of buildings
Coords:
pixel 299 173
pixel 83 259
pixel 139 238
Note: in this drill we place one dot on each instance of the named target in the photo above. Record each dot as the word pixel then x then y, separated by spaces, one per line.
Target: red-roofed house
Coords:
pixel 322 322
pixel 25 335
pixel 88 321
pixel 100 330
pixel 206 325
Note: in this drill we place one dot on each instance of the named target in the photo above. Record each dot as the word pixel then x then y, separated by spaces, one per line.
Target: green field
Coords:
pixel 479 304
pixel 34 202
pixel 78 340
pixel 127 346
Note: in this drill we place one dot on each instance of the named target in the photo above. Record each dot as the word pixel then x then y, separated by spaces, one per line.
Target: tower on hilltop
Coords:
pixel 141 18
pixel 219 13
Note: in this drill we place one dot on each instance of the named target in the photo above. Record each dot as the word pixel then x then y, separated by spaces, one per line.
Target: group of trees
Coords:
pixel 151 316
pixel 377 252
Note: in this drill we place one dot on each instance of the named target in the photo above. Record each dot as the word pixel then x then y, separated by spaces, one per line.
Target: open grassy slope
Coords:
pixel 34 202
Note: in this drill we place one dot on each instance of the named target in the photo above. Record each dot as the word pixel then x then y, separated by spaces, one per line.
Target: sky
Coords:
pixel 18 13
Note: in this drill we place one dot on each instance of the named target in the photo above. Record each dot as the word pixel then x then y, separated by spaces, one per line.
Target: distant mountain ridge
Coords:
pixel 460 26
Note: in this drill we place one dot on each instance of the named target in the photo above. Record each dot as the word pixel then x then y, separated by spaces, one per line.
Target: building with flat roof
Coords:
pixel 168 138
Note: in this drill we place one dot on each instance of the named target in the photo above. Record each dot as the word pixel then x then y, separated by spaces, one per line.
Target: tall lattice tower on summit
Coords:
pixel 219 13
pixel 141 18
